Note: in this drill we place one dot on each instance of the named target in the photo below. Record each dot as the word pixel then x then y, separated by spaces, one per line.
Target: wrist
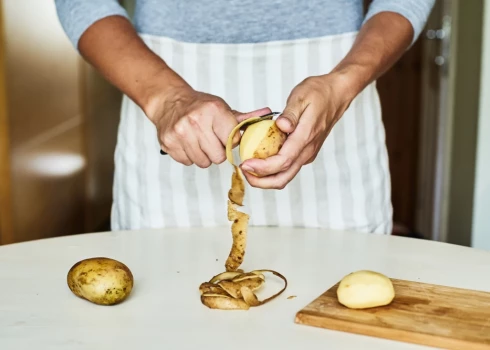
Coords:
pixel 351 79
pixel 164 85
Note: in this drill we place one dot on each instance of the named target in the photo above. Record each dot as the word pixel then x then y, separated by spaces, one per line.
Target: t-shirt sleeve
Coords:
pixel 77 15
pixel 416 11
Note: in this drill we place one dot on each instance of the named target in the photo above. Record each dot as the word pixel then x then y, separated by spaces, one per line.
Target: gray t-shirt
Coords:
pixel 239 21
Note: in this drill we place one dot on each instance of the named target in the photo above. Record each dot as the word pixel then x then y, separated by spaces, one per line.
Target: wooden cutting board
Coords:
pixel 426 314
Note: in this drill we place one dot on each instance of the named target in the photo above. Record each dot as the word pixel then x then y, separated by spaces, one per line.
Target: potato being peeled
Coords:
pixel 261 140
pixel 365 289
pixel 102 281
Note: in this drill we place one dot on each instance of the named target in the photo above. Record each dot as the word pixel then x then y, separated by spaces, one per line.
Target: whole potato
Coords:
pixel 365 289
pixel 261 140
pixel 102 281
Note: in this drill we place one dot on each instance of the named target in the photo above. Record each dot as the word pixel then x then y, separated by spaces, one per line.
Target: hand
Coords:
pixel 193 126
pixel 313 108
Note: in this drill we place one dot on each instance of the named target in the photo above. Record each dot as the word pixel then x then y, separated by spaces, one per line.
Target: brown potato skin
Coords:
pixel 237 190
pixel 271 144
pixel 100 280
pixel 224 303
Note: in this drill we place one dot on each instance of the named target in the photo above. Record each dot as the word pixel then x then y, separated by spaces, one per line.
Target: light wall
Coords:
pixel 481 213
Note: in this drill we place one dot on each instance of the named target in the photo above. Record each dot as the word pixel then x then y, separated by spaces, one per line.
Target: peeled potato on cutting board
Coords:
pixel 434 315
pixel 365 289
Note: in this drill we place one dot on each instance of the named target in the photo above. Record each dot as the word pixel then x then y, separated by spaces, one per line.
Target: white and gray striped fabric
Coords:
pixel 347 187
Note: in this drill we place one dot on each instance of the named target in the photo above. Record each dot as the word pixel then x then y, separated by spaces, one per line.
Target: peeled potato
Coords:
pixel 365 289
pixel 261 140
pixel 102 281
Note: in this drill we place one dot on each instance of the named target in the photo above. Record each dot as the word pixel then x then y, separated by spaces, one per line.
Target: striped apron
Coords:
pixel 347 187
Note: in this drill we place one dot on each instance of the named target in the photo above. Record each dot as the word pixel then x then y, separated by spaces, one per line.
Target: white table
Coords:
pixel 38 311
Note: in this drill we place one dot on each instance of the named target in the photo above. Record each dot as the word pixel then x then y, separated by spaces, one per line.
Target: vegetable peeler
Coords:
pixel 268 116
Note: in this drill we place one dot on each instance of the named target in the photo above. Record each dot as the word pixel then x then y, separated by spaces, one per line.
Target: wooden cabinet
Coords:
pixel 55 163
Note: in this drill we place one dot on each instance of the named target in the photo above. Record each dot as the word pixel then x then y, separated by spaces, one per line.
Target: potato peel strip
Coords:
pixel 234 289
pixel 236 194
pixel 239 234
pixel 224 303
pixel 224 276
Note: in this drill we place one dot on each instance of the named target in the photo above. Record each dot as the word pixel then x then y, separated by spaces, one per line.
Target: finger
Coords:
pixel 257 113
pixel 203 136
pixel 212 147
pixel 194 152
pixel 223 124
pixel 278 181
pixel 170 145
pixel 289 118
pixel 180 156
pixel 269 166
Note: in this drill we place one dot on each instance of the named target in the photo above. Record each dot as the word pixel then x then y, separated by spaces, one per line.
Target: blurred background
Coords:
pixel 59 119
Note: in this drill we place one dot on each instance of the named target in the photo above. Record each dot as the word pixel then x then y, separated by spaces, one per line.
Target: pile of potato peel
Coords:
pixel 235 289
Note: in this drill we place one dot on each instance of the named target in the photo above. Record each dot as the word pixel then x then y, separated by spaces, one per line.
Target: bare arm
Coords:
pixel 114 48
pixel 380 44
pixel 192 126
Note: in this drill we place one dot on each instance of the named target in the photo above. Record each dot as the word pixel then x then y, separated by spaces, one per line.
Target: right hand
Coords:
pixel 193 126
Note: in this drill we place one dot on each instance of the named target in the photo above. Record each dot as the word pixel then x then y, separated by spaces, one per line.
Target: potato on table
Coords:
pixel 102 281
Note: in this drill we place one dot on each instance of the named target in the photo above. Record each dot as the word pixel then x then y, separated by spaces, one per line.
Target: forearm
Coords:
pixel 114 48
pixel 381 41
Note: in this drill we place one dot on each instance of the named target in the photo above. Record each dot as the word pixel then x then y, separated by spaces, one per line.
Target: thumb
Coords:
pixel 288 120
pixel 257 113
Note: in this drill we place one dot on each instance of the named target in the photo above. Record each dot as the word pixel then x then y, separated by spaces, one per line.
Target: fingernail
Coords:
pixel 247 168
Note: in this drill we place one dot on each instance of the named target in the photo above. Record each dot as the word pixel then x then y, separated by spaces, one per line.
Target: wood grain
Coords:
pixel 425 314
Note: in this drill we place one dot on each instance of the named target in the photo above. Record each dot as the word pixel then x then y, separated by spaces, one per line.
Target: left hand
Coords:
pixel 313 108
